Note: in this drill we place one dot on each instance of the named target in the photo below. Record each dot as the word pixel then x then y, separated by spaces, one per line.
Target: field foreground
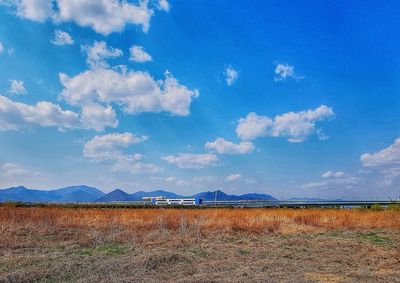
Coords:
pixel 56 244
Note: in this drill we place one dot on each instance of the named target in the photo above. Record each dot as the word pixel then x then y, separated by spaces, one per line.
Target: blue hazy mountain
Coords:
pixel 141 194
pixel 220 195
pixel 115 195
pixel 69 194
pixel 89 194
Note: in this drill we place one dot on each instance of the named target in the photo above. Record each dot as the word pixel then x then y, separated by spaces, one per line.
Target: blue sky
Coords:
pixel 290 99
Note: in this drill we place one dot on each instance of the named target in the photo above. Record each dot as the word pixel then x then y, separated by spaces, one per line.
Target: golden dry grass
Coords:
pixel 122 245
pixel 204 220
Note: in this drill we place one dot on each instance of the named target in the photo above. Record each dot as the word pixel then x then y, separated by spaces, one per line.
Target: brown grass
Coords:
pixel 204 221
pixel 83 244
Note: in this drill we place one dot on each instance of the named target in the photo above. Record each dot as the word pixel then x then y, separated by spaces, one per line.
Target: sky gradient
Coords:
pixel 289 99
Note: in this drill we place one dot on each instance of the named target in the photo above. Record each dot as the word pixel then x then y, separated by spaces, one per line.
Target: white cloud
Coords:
pixel 205 179
pixel 223 146
pixel 237 177
pixel 62 38
pixel 234 177
pixel 16 115
pixel 386 162
pixel 35 10
pixel 335 183
pixel 12 169
pixel 111 147
pixel 134 167
pixel 138 54
pixel 295 126
pixel 17 87
pixel 231 75
pixel 331 174
pixel 163 5
pixel 389 156
pixel 1 48
pixel 98 117
pixel 135 92
pixel 284 72
pixel 98 52
pixel 190 160
pixel 103 16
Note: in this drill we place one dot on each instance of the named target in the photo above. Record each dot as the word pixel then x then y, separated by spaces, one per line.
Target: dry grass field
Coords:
pixel 54 244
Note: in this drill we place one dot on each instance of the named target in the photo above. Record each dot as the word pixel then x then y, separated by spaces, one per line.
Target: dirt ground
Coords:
pixel 63 245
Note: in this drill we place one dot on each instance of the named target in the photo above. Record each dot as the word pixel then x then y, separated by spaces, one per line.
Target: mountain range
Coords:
pixel 84 193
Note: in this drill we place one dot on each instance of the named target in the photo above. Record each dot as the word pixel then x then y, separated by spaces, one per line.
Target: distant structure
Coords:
pixel 161 200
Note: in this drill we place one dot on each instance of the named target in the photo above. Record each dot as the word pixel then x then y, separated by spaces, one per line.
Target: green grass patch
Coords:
pixel 244 252
pixel 109 250
pixel 198 252
pixel 374 238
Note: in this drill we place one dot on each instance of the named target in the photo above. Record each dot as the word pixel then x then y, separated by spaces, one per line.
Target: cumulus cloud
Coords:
pixel 62 38
pixel 12 169
pixel 231 75
pixel 223 146
pixel 139 55
pixel 37 10
pixel 347 182
pixel 135 92
pixel 237 177
pixel 98 52
pixel 234 177
pixel 103 16
pixel 1 48
pixel 163 5
pixel 190 160
pixel 17 87
pixel 205 179
pixel 284 72
pixel 16 115
pixel 386 162
pixel 295 126
pixel 389 156
pixel 112 147
pixel 331 174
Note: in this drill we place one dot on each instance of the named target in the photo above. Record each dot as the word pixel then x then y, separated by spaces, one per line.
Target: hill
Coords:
pixel 84 193
pixel 68 194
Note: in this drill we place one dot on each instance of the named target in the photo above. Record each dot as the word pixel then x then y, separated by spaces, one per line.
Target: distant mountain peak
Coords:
pixel 83 193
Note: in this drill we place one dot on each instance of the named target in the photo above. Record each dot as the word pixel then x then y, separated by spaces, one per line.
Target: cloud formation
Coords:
pixel 136 92
pixel 284 72
pixel 223 146
pixel 15 116
pixel 12 169
pixel 62 38
pixel 111 147
pixel 191 160
pixel 103 16
pixel 331 174
pixel 231 75
pixel 386 162
pixel 389 156
pixel 139 55
pixel 163 5
pixel 295 126
pixel 17 87
pixel 98 52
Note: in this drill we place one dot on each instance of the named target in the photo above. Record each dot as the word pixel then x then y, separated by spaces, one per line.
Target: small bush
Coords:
pixel 394 206
pixel 376 207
